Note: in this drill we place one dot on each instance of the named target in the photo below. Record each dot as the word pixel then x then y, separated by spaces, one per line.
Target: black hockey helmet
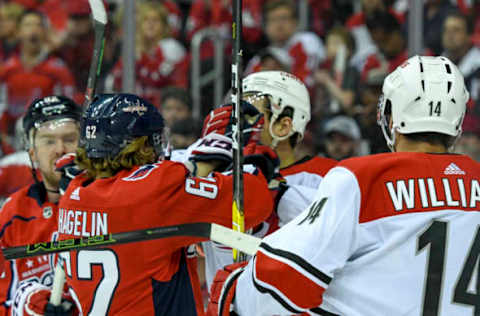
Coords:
pixel 111 121
pixel 49 108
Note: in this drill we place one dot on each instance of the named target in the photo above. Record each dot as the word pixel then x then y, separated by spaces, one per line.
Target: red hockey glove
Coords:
pixel 32 299
pixel 216 141
pixel 219 121
pixel 222 290
pixel 66 165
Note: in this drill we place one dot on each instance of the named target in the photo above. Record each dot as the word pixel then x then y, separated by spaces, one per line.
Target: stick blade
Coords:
pixel 98 11
pixel 243 242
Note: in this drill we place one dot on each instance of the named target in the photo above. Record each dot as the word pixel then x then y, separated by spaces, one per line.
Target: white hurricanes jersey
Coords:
pixel 388 234
pixel 303 178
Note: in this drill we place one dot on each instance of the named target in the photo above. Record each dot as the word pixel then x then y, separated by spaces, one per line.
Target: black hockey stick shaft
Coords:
pixel 238 215
pixel 99 22
pixel 210 231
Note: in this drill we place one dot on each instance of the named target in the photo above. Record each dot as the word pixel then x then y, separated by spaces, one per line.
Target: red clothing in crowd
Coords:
pixel 174 17
pixel 167 66
pixel 306 52
pixel 22 85
pixel 203 15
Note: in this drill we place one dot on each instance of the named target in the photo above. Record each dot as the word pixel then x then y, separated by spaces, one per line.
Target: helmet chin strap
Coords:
pixel 390 140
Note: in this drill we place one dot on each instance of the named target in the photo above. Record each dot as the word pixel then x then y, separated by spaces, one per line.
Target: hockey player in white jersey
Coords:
pixel 389 234
pixel 285 104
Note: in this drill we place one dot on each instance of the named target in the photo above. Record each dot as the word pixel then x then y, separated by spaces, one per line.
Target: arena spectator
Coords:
pixel 272 58
pixel 10 14
pixel 342 138
pixel 161 60
pixel 175 105
pixel 175 17
pixel 365 113
pixel 75 46
pixel 184 132
pixel 32 73
pixel 364 44
pixel 388 37
pixel 336 78
pixel 457 44
pixel 469 142
pixel 434 14
pixel 55 12
pixel 218 14
pixel 304 48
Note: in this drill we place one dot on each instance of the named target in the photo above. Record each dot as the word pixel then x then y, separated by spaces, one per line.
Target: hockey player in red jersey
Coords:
pixel 51 127
pixel 285 103
pixel 125 186
pixel 388 234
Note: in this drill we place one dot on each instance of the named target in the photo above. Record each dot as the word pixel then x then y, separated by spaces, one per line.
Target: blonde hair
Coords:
pixel 11 10
pixel 139 152
pixel 145 7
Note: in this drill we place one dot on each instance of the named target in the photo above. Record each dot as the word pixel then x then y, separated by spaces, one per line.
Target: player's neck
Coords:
pixel 405 145
pixel 285 153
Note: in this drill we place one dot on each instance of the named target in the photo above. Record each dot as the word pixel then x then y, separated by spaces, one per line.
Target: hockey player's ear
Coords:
pixel 283 126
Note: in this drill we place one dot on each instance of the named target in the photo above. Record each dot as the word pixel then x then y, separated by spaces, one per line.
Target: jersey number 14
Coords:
pixel 436 236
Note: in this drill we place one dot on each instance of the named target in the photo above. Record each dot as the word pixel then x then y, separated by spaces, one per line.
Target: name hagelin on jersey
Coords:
pixel 425 193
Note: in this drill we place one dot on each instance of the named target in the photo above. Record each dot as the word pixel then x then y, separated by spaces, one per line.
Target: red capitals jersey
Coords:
pixel 49 77
pixel 26 218
pixel 387 234
pixel 151 277
pixel 167 66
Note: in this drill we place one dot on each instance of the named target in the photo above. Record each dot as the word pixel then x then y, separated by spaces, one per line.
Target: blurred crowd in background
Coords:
pixel 343 54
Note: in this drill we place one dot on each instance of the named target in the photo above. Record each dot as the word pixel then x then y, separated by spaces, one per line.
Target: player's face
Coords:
pixel 53 140
pixel 280 25
pixel 262 105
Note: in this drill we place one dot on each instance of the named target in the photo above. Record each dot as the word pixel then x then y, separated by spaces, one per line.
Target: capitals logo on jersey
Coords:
pixel 140 173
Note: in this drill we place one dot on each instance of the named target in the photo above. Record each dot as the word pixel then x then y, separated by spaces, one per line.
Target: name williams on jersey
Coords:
pixel 446 192
pixel 82 223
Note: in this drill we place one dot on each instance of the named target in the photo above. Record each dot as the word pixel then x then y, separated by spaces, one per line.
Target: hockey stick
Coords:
pixel 99 22
pixel 244 242
pixel 238 216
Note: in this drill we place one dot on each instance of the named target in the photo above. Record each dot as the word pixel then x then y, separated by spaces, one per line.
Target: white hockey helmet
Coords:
pixel 424 94
pixel 283 90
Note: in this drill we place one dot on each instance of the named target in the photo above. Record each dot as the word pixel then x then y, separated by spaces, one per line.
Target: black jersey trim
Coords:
pixel 25 219
pixel 299 261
